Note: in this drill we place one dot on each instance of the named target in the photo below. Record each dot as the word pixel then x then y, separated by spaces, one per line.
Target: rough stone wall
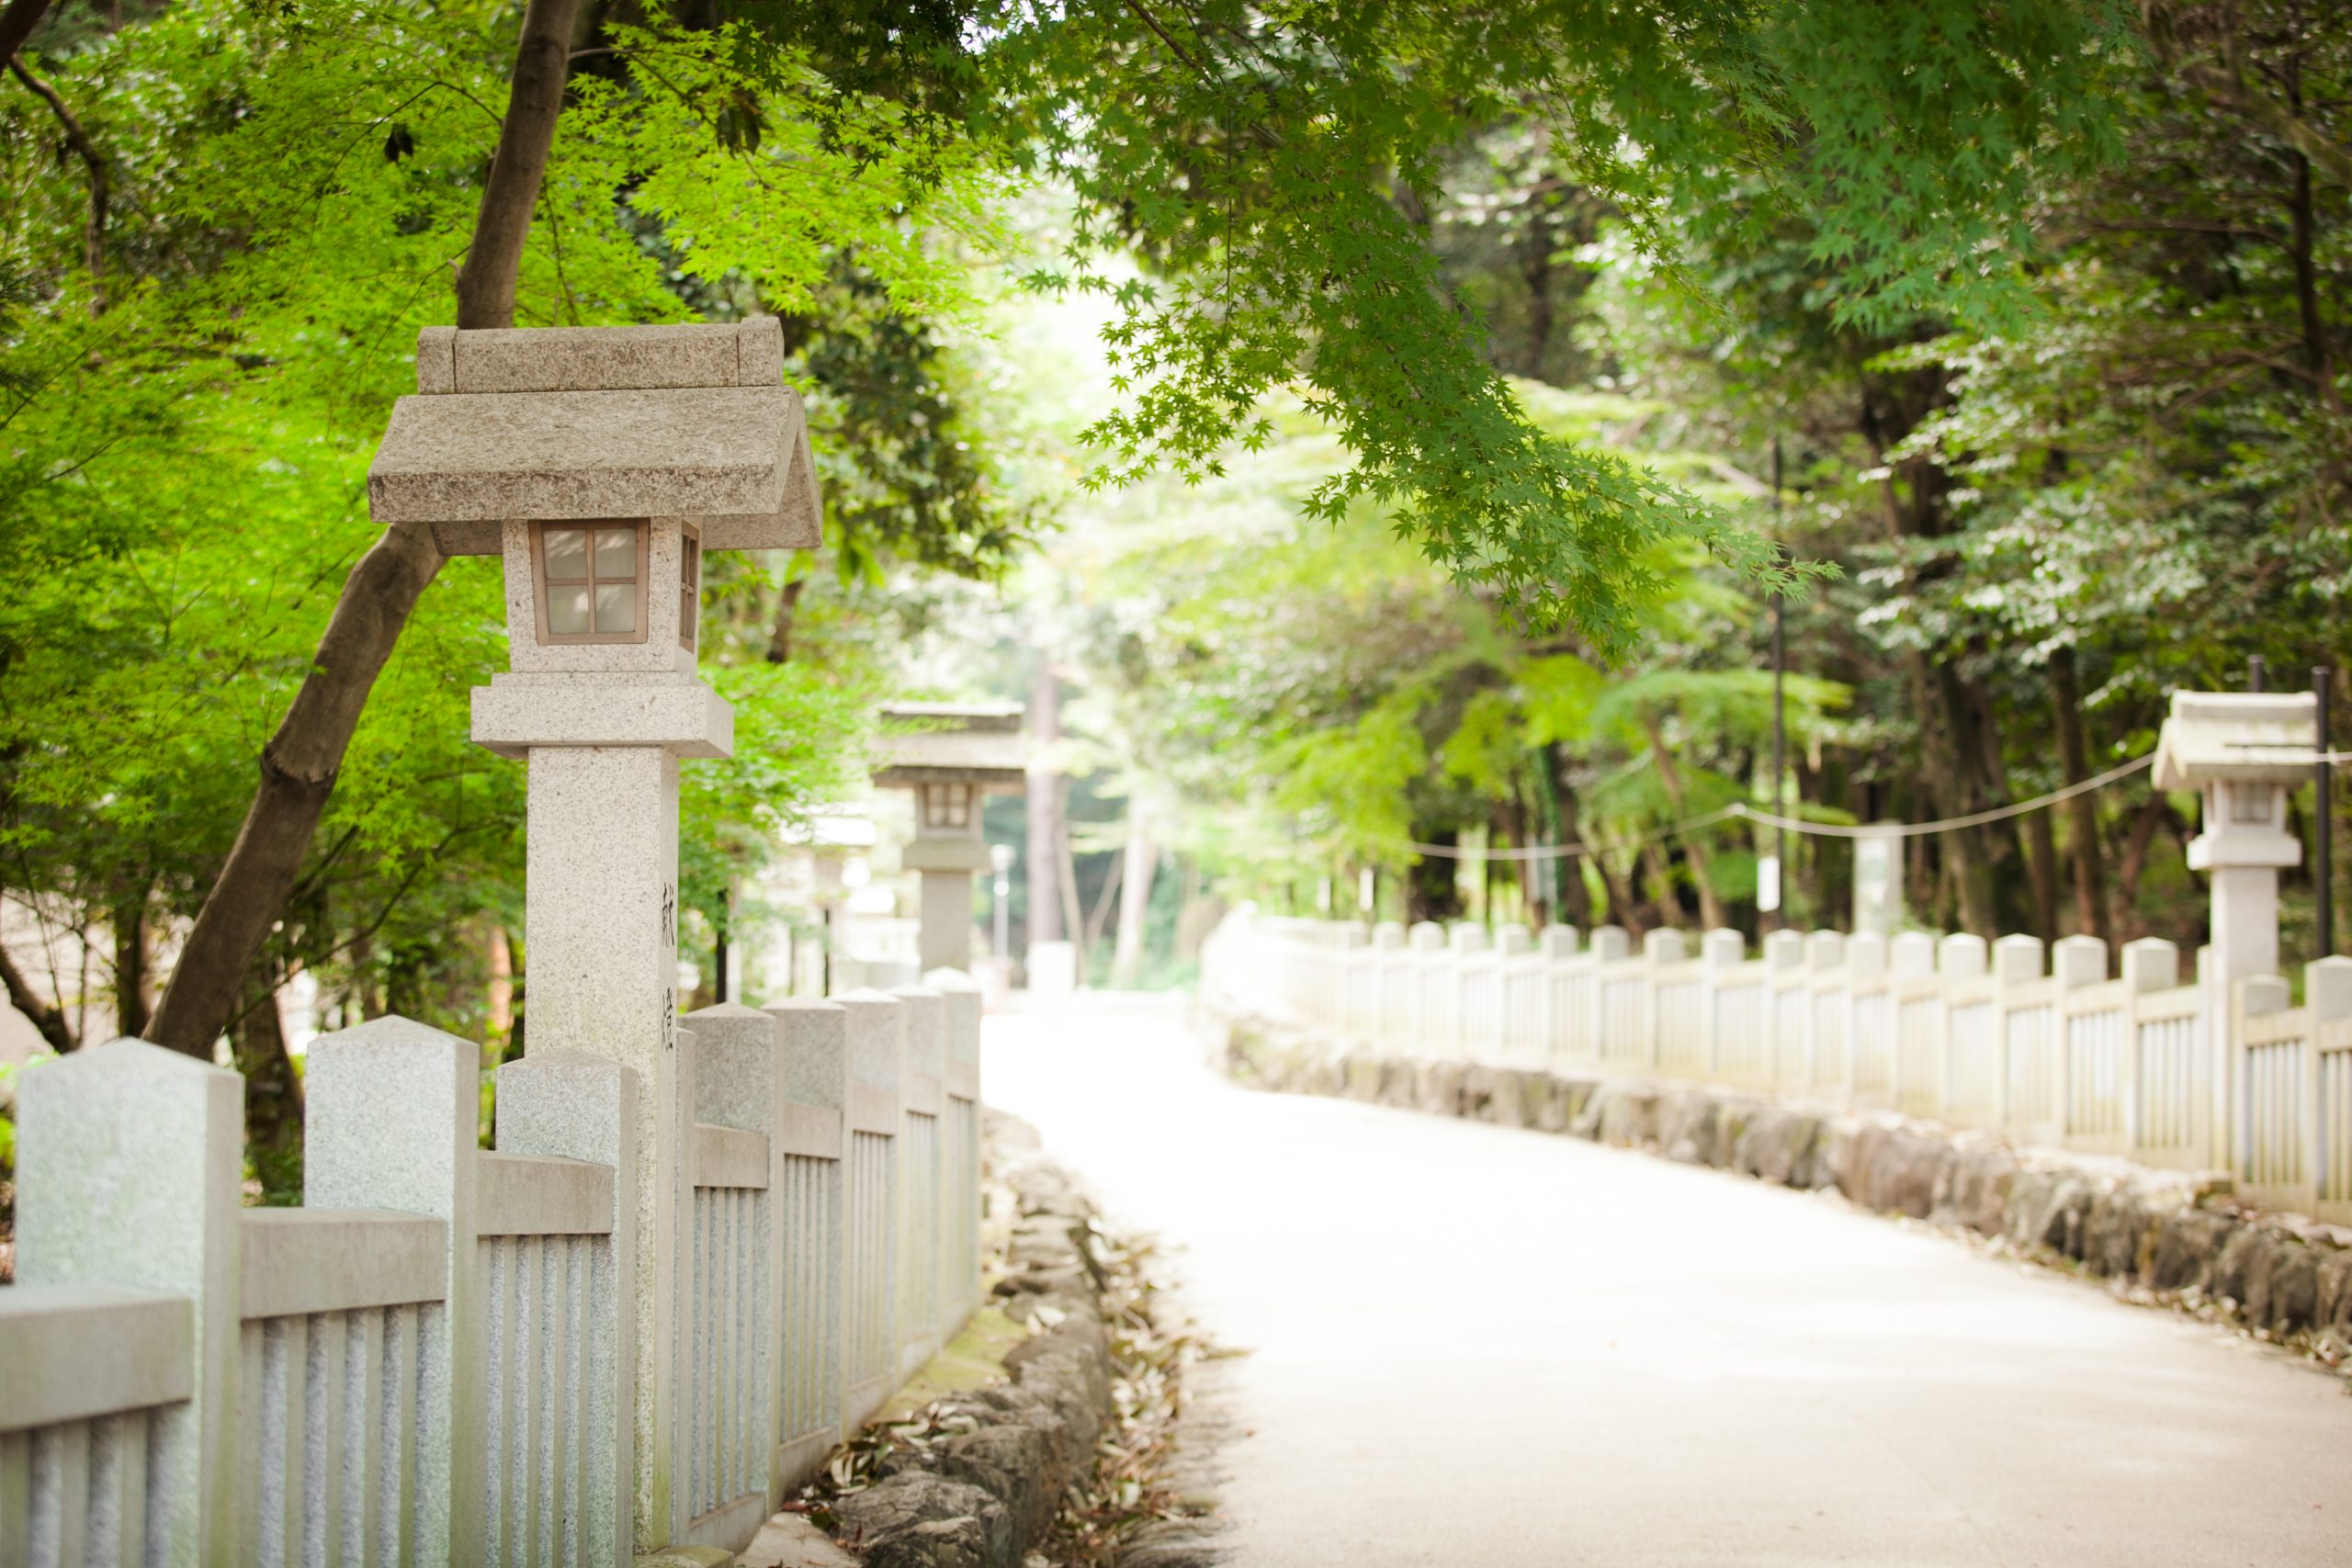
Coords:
pixel 2178 1233
pixel 982 1493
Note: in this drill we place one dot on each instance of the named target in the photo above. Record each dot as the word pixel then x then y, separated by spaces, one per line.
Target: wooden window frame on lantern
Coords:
pixel 689 585
pixel 947 817
pixel 542 587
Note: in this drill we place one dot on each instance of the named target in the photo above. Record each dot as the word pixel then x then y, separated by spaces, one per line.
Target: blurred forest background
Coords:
pixel 2101 454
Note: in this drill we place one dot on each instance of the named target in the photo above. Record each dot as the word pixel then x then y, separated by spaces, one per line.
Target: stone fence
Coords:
pixel 2139 1065
pixel 453 1355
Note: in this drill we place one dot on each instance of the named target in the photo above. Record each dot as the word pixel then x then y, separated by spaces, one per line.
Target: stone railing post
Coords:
pixel 876 1037
pixel 1466 946
pixel 1350 939
pixel 2017 962
pixel 1387 1020
pixel 1659 948
pixel 1786 1059
pixel 959 1259
pixel 1962 960
pixel 738 1084
pixel 2327 995
pixel 1824 1011
pixel 1911 955
pixel 391 1111
pixel 129 1160
pixel 812 1048
pixel 1868 1009
pixel 1425 941
pixel 572 1105
pixel 2252 1154
pixel 1518 1015
pixel 1612 945
pixel 2074 962
pixel 1556 1031
pixel 1721 952
pixel 2148 964
pixel 922 1213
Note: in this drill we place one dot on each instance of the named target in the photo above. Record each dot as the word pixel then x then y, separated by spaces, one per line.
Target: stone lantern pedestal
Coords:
pixel 964 754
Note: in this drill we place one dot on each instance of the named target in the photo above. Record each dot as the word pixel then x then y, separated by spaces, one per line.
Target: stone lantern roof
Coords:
pixel 2238 737
pixel 976 743
pixel 558 424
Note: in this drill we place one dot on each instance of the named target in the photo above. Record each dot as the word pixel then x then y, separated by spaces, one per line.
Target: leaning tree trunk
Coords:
pixel 300 764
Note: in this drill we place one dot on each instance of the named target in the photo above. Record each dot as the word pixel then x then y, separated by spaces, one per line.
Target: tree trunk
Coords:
pixel 273 1096
pixel 1669 778
pixel 1101 915
pixel 1572 900
pixel 1196 915
pixel 46 1017
pixel 17 24
pixel 1625 909
pixel 2091 906
pixel 1134 901
pixel 2042 864
pixel 1948 780
pixel 494 260
pixel 1067 861
pixel 2138 839
pixel 94 163
pixel 1665 905
pixel 788 611
pixel 131 1000
pixel 1432 891
pixel 1044 867
pixel 300 764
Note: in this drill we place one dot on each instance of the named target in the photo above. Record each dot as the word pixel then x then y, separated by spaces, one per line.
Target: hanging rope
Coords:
pixel 1948 824
pixel 1569 852
pixel 1744 812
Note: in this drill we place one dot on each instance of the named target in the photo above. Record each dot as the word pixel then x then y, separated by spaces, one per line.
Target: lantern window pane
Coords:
pixel 567 555
pixel 568 611
pixel 617 555
pixel 590 577
pixel 2250 802
pixel 615 608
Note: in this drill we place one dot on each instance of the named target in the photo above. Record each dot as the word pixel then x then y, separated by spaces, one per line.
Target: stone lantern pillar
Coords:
pixel 599 464
pixel 964 754
pixel 2241 752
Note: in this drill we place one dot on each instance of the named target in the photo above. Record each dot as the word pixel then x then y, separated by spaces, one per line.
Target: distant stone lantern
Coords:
pixel 964 754
pixel 2241 752
pixel 600 464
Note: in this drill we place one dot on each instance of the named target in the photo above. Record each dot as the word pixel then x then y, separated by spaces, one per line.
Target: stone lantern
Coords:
pixel 600 465
pixel 2241 752
pixel 964 754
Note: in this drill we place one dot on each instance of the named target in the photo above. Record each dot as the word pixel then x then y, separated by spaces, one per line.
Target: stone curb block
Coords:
pixel 2174 1231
